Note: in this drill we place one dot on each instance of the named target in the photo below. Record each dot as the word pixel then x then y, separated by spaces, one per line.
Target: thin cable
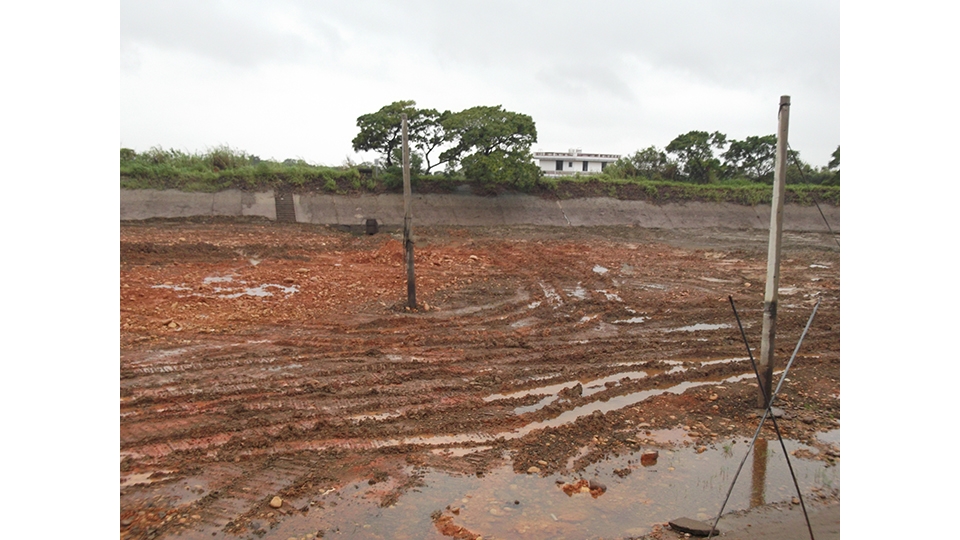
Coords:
pixel 766 412
pixel 776 426
pixel 804 177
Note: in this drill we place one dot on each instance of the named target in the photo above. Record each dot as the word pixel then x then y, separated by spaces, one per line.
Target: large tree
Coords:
pixel 753 158
pixel 650 163
pixel 382 131
pixel 694 154
pixel 493 145
pixel 428 134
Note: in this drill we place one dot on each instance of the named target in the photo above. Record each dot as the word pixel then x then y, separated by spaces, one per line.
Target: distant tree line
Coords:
pixel 700 157
pixel 490 145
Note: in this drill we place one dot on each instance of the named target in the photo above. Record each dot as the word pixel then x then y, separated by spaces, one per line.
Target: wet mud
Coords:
pixel 523 398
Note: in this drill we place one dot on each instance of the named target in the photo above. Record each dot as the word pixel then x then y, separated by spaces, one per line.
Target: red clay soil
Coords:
pixel 278 359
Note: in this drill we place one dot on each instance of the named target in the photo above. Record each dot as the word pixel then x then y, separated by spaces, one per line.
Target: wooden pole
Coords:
pixel 408 221
pixel 770 296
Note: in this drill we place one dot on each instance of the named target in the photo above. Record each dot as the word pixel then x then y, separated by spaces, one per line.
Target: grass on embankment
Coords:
pixel 224 168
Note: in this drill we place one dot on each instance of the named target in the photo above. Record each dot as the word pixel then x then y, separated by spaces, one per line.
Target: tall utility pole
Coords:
pixel 408 221
pixel 770 295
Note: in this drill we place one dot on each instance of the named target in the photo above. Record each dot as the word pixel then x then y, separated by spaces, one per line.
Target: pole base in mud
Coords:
pixel 692 527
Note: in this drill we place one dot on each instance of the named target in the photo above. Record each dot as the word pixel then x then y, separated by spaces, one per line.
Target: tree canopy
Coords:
pixel 753 157
pixel 381 131
pixel 694 154
pixel 492 145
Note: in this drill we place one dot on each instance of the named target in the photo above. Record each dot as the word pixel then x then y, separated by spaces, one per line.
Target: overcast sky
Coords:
pixel 287 79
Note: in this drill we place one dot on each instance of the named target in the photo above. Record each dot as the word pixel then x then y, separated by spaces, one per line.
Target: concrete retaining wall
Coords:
pixel 472 210
pixel 148 203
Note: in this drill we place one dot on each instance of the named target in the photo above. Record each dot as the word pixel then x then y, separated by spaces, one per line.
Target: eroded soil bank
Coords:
pixel 263 360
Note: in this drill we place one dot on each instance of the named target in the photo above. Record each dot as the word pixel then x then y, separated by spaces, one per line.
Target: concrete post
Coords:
pixel 408 221
pixel 770 296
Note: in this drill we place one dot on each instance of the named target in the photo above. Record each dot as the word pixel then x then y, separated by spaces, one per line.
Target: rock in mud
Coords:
pixel 572 392
pixel 276 502
pixel 533 470
pixel 649 458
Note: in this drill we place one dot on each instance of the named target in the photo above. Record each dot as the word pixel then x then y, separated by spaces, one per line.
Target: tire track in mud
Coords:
pixel 372 381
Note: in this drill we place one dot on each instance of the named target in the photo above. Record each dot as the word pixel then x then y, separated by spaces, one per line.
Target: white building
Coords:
pixel 572 162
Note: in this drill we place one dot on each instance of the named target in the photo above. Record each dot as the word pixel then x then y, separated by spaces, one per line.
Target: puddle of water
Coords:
pixel 551 294
pixel 261 291
pixel 137 479
pixel 577 292
pixel 699 326
pixel 524 322
pixel 715 280
pixel 723 361
pixel 620 402
pixel 550 389
pixel 590 387
pixel 600 270
pixel 536 406
pixel 376 417
pixel 631 320
pixel 830 437
pixel 533 305
pixel 172 287
pixel 217 279
pixel 598 385
pixel 504 504
pixel 281 368
pixel 459 452
pixel 819 266
pixel 587 318
pixel 612 297
pixel 674 436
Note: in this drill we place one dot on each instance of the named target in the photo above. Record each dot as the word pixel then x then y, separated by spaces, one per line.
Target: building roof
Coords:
pixel 576 154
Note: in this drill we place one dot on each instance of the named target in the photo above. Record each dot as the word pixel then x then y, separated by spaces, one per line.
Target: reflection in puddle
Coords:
pixel 577 292
pixel 620 402
pixel 631 320
pixel 830 437
pixel 588 388
pixel 217 279
pixel 698 327
pixel 723 361
pixel 172 287
pixel 143 478
pixel 375 417
pixel 459 452
pixel 261 291
pixel 524 322
pixel 673 436
pixel 550 293
pixel 504 504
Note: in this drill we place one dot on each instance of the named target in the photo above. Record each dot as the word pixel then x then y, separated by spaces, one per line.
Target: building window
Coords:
pixel 570 164
pixel 559 164
pixel 584 166
pixel 603 165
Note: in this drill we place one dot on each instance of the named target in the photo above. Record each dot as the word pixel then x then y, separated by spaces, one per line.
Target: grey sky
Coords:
pixel 289 78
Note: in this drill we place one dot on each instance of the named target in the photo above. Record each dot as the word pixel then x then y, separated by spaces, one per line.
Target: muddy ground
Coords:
pixel 263 360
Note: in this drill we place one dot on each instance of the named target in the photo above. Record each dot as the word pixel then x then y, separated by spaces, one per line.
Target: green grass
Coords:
pixel 223 168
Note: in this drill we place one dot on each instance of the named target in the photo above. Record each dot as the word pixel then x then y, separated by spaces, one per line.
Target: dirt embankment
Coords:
pixel 261 360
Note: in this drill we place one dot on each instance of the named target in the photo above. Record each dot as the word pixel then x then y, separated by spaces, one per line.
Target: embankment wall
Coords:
pixel 472 210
